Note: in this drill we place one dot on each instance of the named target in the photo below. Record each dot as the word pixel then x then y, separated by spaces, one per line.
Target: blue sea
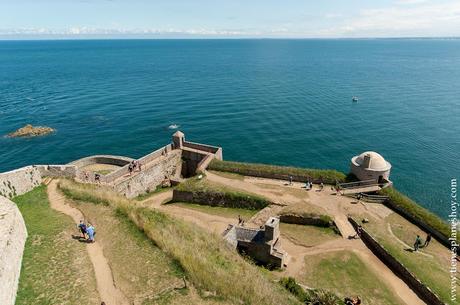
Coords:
pixel 274 101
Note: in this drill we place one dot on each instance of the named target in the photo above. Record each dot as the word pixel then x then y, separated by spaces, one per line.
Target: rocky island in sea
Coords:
pixel 31 131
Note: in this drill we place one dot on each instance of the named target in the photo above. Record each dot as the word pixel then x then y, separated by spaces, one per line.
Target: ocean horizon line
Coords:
pixel 97 37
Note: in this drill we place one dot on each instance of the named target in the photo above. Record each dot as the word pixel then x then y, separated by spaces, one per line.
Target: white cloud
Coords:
pixel 405 18
pixel 78 31
pixel 437 19
pixel 411 2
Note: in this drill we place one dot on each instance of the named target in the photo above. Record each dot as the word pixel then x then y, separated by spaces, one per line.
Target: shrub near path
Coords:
pixel 55 268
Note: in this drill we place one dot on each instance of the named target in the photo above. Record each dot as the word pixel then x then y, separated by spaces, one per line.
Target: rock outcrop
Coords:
pixel 31 131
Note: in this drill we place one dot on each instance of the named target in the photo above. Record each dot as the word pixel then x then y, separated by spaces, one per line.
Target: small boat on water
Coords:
pixel 173 126
pixel 354 98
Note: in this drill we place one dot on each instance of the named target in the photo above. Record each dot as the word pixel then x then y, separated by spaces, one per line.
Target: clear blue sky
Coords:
pixel 232 18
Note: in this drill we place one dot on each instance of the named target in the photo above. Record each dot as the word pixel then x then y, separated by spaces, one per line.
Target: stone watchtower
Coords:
pixel 370 166
pixel 178 140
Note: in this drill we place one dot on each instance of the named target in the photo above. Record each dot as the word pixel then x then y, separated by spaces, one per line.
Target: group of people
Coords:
pixel 97 177
pixel 87 231
pixel 309 184
pixel 418 242
pixel 133 165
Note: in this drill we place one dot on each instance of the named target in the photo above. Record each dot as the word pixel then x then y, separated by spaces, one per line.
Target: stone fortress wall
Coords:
pixel 19 181
pixel 13 232
pixel 167 163
pixel 162 164
pixel 168 167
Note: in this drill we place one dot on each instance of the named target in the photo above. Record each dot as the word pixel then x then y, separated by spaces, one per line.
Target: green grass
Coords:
pixel 281 172
pixel 55 268
pixel 417 211
pixel 432 270
pixel 205 191
pixel 147 195
pixel 307 236
pixel 312 296
pixel 218 211
pixel 143 276
pixel 208 262
pixel 228 175
pixel 344 273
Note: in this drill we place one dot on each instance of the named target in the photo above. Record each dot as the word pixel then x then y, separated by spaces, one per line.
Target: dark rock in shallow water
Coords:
pixel 31 131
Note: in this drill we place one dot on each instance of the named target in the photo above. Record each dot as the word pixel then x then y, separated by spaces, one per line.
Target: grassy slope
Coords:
pixel 206 259
pixel 432 270
pixel 233 195
pixel 416 210
pixel 143 276
pixel 55 268
pixel 218 211
pixel 307 236
pixel 328 176
pixel 344 273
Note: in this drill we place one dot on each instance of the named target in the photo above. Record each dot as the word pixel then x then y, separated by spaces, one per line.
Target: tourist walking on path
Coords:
pixel 82 227
pixel 427 240
pixel 359 230
pixel 91 232
pixel 290 180
pixel 418 242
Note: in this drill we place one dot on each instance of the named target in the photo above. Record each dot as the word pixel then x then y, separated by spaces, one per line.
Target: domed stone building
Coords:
pixel 370 166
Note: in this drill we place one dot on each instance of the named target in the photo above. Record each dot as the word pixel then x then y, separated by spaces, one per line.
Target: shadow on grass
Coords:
pixel 81 239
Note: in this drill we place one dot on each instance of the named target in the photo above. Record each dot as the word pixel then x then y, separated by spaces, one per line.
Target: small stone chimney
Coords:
pixel 178 139
pixel 272 229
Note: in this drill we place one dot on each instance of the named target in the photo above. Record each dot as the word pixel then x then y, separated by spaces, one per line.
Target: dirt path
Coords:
pixel 213 223
pixel 108 292
pixel 404 244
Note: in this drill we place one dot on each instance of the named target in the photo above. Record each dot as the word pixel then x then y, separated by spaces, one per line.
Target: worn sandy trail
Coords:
pixel 212 223
pixel 108 292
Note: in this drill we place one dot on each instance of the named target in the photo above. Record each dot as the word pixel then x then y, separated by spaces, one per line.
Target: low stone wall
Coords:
pixel 204 163
pixel 101 159
pixel 217 151
pixel 125 167
pixel 56 171
pixel 13 236
pixel 416 285
pixel 19 181
pixel 156 154
pixel 218 200
pixel 148 179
